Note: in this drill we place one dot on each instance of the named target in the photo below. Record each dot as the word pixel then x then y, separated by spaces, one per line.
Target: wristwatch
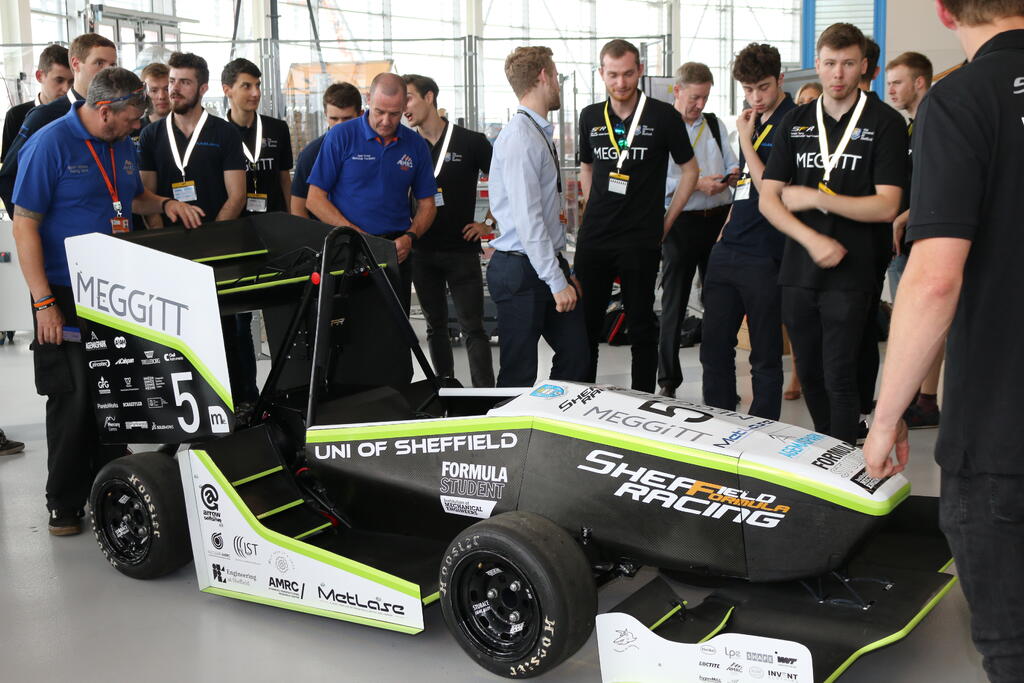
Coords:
pixel 413 236
pixel 489 222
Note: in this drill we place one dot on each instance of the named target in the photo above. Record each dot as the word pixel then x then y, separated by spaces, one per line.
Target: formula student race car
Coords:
pixel 354 493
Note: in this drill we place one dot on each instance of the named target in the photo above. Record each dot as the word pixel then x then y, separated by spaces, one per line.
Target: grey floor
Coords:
pixel 67 616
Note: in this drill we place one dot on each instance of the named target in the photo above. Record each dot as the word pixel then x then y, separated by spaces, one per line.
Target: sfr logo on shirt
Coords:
pixel 405 163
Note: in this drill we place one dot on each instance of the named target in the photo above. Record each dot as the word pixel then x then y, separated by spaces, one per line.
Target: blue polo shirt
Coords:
pixel 57 157
pixel 368 179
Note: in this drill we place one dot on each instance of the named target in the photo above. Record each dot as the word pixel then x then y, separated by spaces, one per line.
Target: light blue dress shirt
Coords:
pixel 711 159
pixel 524 197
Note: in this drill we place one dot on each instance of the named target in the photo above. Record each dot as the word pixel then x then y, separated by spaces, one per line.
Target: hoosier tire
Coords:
pixel 517 594
pixel 137 509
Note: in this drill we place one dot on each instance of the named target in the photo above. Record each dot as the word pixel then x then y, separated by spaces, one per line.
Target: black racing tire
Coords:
pixel 137 508
pixel 524 630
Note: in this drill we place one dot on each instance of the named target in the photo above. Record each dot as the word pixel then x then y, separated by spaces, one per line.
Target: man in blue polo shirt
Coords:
pixel 87 155
pixel 366 169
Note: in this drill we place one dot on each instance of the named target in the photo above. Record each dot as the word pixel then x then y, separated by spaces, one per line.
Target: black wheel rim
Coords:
pixel 496 606
pixel 123 522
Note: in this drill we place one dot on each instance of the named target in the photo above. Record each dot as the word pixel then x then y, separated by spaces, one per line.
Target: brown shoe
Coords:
pixel 64 523
pixel 8 447
pixel 791 395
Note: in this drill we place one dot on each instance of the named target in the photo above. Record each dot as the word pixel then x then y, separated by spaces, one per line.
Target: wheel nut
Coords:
pixel 514 617
pixel 514 586
pixel 492 593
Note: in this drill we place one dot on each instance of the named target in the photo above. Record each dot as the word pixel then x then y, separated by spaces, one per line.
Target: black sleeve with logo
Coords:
pixel 634 220
pixel 468 155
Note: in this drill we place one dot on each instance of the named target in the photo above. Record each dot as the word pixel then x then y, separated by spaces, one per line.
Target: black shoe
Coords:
pixel 8 447
pixel 65 523
pixel 862 432
pixel 667 392
pixel 917 417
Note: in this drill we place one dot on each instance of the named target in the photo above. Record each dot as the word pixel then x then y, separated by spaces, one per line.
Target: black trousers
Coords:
pixel 739 284
pixel 826 328
pixel 74 452
pixel 434 273
pixel 685 252
pixel 240 354
pixel 982 516
pixel 637 270
pixel 526 312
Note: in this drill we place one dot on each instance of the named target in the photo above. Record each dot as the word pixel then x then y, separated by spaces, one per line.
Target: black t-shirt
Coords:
pixel 264 176
pixel 36 119
pixel 747 230
pixel 968 185
pixel 218 149
pixel 468 155
pixel 304 166
pixel 636 219
pixel 12 124
pixel 876 155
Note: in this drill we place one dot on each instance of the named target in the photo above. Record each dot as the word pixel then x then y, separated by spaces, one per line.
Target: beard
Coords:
pixel 185 106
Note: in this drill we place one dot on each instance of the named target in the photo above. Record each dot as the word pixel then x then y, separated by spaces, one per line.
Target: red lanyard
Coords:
pixel 111 186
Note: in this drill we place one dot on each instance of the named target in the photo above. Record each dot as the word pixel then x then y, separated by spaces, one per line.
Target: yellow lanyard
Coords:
pixel 619 153
pixel 762 136
pixel 700 132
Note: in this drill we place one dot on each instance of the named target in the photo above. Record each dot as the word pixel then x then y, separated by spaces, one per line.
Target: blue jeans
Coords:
pixel 982 516
pixel 896 267
pixel 526 312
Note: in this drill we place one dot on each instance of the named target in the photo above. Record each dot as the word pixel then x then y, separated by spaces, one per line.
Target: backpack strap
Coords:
pixel 715 130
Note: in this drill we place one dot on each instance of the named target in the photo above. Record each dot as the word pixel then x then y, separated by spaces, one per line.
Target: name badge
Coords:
pixel 439 198
pixel 120 225
pixel 185 191
pixel 617 183
pixel 256 202
pixel 742 189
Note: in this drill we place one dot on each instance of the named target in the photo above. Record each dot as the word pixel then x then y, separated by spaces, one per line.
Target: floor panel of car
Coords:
pixel 408 557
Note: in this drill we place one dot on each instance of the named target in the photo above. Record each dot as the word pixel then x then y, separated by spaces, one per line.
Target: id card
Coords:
pixel 120 225
pixel 256 202
pixel 742 189
pixel 617 183
pixel 185 191
pixel 439 198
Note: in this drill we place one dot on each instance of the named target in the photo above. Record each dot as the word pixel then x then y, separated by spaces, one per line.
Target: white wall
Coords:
pixel 913 25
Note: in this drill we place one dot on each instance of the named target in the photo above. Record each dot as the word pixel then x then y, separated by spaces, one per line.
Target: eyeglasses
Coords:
pixel 122 98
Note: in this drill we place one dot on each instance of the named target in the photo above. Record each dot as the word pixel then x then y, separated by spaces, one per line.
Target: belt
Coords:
pixel 708 212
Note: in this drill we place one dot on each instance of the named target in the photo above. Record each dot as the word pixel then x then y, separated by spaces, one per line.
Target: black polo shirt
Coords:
pixel 36 119
pixel 218 149
pixel 968 185
pixel 468 155
pixel 264 176
pixel 876 155
pixel 304 166
pixel 748 231
pixel 636 219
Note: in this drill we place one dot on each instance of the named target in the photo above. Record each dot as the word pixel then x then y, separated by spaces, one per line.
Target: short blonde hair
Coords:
pixel 523 67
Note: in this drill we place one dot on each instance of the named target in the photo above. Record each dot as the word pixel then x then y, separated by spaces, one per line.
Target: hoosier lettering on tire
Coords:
pixel 138 515
pixel 517 594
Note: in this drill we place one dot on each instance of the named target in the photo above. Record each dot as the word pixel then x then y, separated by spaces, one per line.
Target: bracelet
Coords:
pixel 45 306
pixel 45 302
pixel 163 204
pixel 412 236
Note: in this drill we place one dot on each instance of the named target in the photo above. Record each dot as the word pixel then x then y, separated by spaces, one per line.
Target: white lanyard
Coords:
pixel 191 143
pixel 259 141
pixel 444 150
pixel 71 97
pixel 624 151
pixel 829 162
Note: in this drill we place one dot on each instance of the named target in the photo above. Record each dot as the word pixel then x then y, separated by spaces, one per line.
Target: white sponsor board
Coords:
pixel 629 651
pixel 166 294
pixel 230 554
pixel 684 425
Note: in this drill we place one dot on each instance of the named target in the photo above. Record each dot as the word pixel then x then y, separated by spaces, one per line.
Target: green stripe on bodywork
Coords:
pixel 411 630
pixel 282 508
pixel 264 284
pixel 899 635
pixel 258 475
pixel 310 551
pixel 665 618
pixel 420 428
pixel 432 598
pixel 225 257
pixel 175 343
pixel 946 566
pixel 607 437
pixel 718 629
pixel 312 531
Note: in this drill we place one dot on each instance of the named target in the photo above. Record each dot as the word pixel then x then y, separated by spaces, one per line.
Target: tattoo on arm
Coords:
pixel 21 211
